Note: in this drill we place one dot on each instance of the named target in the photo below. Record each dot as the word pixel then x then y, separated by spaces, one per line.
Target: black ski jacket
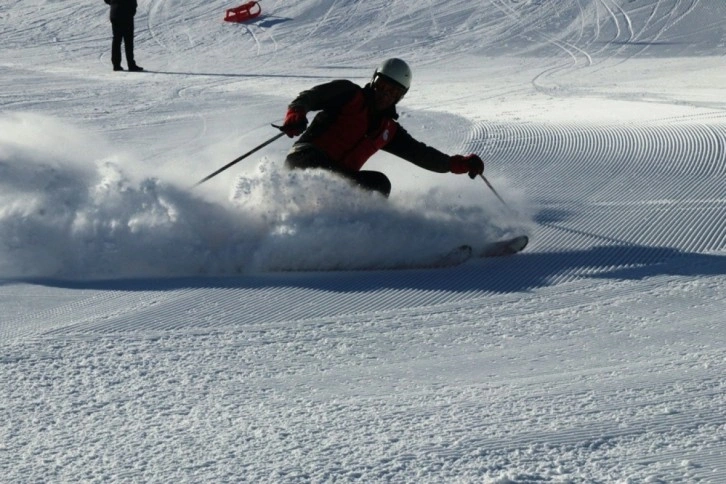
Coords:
pixel 122 9
pixel 349 133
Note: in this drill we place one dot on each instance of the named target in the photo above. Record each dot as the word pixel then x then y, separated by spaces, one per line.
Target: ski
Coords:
pixel 505 247
pixel 500 248
pixel 457 256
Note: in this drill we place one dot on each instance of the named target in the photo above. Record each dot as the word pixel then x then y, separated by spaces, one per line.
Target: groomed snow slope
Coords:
pixel 250 329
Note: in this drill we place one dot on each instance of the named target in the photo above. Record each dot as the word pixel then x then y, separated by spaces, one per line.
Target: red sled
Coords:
pixel 243 13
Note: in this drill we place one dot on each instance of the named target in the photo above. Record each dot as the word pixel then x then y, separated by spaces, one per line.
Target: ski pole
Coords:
pixel 238 159
pixel 495 192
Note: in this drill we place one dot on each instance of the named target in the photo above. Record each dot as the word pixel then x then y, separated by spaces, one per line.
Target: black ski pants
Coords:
pixel 305 155
pixel 123 30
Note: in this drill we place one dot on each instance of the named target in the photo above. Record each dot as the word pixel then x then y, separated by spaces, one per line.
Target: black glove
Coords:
pixel 295 122
pixel 471 164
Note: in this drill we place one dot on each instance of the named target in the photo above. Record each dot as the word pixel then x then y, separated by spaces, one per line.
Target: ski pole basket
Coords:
pixel 243 13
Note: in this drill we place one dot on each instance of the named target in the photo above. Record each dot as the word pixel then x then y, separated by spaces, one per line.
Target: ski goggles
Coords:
pixel 389 87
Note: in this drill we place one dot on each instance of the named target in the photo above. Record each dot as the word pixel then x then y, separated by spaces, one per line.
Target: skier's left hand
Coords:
pixel 471 164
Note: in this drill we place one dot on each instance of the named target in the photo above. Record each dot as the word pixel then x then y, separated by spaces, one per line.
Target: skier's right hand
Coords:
pixel 471 164
pixel 295 122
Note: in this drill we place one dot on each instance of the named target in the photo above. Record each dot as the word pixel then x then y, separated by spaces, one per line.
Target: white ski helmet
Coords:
pixel 396 70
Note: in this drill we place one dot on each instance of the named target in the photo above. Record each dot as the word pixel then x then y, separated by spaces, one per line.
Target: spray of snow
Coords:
pixel 69 210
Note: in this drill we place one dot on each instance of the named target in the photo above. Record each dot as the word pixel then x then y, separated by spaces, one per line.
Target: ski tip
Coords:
pixel 506 247
pixel 519 243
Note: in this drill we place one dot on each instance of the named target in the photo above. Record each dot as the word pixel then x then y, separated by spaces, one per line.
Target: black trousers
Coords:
pixel 123 30
pixel 308 156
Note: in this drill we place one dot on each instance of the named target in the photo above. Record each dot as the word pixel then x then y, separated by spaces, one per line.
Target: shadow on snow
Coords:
pixel 523 272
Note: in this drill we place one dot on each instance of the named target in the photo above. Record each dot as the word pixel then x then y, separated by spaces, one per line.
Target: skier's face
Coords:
pixel 387 93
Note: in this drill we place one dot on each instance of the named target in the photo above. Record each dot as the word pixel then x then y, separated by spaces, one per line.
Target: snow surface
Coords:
pixel 251 329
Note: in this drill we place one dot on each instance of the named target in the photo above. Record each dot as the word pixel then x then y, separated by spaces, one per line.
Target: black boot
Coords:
pixel 135 68
pixel 118 68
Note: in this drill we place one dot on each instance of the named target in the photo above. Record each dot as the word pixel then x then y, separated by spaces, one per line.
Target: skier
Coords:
pixel 122 25
pixel 354 122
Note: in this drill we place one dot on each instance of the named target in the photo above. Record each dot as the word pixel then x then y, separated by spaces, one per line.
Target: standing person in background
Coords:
pixel 354 122
pixel 122 23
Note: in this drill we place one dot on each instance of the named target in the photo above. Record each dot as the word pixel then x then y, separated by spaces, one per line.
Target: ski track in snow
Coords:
pixel 597 355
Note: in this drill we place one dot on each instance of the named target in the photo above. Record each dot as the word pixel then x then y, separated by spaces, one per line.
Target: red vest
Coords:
pixel 349 141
